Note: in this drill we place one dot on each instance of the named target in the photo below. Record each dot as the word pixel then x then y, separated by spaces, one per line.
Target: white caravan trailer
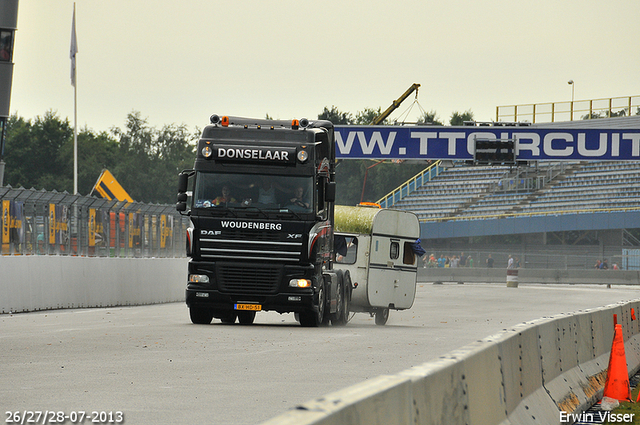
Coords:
pixel 377 247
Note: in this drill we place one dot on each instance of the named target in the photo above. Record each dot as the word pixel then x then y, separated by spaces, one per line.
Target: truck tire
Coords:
pixel 311 318
pixel 382 315
pixel 200 316
pixel 342 297
pixel 246 317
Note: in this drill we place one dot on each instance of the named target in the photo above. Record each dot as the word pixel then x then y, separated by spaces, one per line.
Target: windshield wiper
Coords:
pixel 247 208
pixel 287 210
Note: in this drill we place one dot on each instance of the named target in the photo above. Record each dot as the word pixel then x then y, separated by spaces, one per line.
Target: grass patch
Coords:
pixel 627 408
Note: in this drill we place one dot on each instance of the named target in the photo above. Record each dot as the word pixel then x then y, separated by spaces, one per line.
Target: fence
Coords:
pixel 536 257
pixel 570 110
pixel 53 223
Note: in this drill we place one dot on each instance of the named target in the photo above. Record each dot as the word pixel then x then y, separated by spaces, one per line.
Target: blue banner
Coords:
pixel 458 143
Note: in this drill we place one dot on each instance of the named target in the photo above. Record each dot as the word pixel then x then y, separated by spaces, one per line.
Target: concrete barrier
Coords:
pixel 32 283
pixel 543 276
pixel 526 375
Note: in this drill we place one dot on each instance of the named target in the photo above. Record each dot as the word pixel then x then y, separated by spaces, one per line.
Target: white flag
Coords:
pixel 74 48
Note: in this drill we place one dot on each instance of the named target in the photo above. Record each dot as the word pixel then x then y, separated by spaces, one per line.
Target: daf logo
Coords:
pixel 210 232
pixel 294 236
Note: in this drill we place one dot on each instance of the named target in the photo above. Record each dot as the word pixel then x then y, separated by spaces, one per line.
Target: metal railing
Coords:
pixel 570 110
pixel 530 214
pixel 53 223
pixel 411 185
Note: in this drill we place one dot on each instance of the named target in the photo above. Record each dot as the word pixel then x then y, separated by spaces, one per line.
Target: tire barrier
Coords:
pixel 33 283
pixel 526 375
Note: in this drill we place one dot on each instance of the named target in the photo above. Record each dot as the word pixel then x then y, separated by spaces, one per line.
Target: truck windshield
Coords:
pixel 265 192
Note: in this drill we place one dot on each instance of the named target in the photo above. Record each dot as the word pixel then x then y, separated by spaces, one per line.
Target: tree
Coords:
pixel 367 116
pixel 430 118
pixel 335 116
pixel 32 153
pixel 150 159
pixel 458 118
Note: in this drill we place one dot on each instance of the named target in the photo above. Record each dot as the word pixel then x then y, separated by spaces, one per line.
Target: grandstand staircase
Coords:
pixel 553 179
pixel 550 183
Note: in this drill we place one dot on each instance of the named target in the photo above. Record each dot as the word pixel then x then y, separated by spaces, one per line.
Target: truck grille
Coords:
pixel 249 279
pixel 251 250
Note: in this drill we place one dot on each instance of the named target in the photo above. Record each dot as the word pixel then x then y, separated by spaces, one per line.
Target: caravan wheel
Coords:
pixel 382 315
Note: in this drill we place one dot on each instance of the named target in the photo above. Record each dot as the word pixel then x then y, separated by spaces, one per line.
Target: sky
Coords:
pixel 180 62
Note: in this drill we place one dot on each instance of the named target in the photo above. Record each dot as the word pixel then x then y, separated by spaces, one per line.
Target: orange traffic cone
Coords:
pixel 617 384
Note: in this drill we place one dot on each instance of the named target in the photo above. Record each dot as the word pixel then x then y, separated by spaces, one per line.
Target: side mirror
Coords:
pixel 183 182
pixel 183 185
pixel 330 194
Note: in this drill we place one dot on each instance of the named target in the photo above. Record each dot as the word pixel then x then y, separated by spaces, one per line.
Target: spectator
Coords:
pixel 489 262
pixel 604 265
pixel 510 263
pixel 463 260
pixel 598 265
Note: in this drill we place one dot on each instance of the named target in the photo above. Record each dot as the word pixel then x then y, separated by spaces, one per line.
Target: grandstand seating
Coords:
pixel 468 192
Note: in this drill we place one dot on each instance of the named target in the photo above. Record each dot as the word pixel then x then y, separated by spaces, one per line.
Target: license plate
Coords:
pixel 251 307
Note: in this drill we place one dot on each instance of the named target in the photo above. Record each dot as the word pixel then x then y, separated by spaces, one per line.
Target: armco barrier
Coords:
pixel 544 276
pixel 32 283
pixel 525 375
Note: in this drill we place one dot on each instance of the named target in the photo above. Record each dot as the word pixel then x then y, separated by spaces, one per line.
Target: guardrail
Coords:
pixel 411 185
pixel 526 375
pixel 53 223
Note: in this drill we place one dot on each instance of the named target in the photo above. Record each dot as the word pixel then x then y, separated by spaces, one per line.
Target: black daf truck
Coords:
pixel 261 202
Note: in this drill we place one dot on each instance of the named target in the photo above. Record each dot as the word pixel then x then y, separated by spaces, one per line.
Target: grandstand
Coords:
pixel 552 214
pixel 554 188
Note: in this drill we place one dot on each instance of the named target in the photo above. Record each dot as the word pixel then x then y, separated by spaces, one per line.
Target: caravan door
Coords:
pixel 392 273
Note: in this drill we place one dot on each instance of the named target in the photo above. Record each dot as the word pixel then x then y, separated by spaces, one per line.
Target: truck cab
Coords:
pixel 260 199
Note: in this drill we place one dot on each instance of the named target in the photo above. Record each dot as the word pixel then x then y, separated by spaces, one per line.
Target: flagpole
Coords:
pixel 75 139
pixel 74 51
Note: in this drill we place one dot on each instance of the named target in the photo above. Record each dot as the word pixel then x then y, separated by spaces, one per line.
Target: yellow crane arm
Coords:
pixel 395 104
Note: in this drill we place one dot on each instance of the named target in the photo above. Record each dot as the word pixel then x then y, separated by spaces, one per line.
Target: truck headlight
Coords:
pixel 206 151
pixel 198 278
pixel 300 283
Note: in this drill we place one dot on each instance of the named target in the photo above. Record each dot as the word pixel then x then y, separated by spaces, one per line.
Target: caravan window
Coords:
pixel 394 250
pixel 409 256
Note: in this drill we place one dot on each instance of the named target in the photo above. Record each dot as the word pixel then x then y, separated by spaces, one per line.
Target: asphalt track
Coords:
pixel 153 365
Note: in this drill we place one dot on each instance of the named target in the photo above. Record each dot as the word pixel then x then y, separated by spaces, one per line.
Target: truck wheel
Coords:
pixel 342 298
pixel 200 316
pixel 382 315
pixel 312 319
pixel 246 317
